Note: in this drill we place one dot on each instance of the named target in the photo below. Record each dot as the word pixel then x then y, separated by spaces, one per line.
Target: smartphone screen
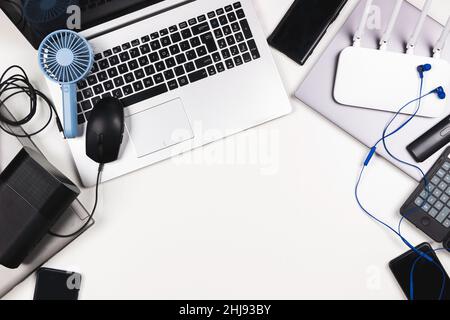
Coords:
pixel 427 276
pixel 57 285
pixel 303 27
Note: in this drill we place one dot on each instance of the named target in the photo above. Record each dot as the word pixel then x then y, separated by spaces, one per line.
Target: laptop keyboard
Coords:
pixel 174 57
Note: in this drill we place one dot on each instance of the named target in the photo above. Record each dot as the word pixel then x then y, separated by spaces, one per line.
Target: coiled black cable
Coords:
pixel 13 84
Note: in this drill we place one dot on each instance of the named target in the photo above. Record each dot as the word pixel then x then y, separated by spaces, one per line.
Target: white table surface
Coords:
pixel 266 214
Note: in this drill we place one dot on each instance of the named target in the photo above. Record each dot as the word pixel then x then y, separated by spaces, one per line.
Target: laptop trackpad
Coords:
pixel 159 127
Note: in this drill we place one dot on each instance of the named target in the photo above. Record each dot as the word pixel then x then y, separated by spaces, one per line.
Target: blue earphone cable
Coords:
pixel 372 152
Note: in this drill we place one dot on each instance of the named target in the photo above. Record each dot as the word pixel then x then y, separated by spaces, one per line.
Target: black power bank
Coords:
pixel 303 27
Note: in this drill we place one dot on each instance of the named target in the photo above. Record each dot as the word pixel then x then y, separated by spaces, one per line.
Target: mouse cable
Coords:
pixel 17 84
pixel 91 216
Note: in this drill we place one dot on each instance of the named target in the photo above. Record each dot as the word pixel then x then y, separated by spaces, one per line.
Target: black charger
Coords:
pixel 33 195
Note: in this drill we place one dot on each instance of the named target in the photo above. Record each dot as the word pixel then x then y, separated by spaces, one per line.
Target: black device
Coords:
pixel 428 277
pixel 54 284
pixel 33 195
pixel 428 208
pixel 303 26
pixel 35 19
pixel 104 133
pixel 431 142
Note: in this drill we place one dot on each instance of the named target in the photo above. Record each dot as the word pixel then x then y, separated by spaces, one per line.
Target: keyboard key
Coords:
pixel 126 46
pixel 240 14
pixel 158 78
pixel 168 75
pixel 164 53
pixel 153 57
pixel 246 29
pixel 102 76
pixel 228 8
pixel 214 23
pixel 154 35
pixel 223 20
pixel 124 56
pixel 143 61
pixel 247 57
pixel 81 119
pixel 208 40
pixel 108 85
pixel 123 68
pixel 201 18
pixel 195 42
pixel 229 63
pixel 160 66
pixel 119 81
pixel 189 67
pixel 95 67
pixel 439 206
pixel 138 86
pixel 139 74
pixel 200 28
pixel 179 71
pixel 164 32
pixel 183 81
pixel 129 77
pixel 174 50
pixel 144 95
pixel 222 43
pixel 103 64
pixel 135 42
pixel 211 14
pixel 183 25
pixel 201 51
pixel 238 61
pixel 191 55
pixel 226 53
pixel 127 90
pixel 176 37
pixel 145 39
pixel 231 17
pixel 135 53
pixel 173 29
pixel 203 62
pixel 156 45
pixel 92 79
pixel 95 100
pixel 211 70
pixel 133 64
pixel 186 34
pixel 216 57
pixel 192 21
pixel 198 75
pixel 243 47
pixel 86 105
pixel 433 212
pixel 113 72
pixel 145 49
pixel 253 49
pixel 82 84
pixel 98 57
pixel 184 46
pixel 218 33
pixel 87 93
pixel 148 82
pixel 237 5
pixel 234 50
pixel 220 11
pixel 220 67
pixel 117 93
pixel 181 58
pixel 170 63
pixel 107 53
pixel 227 30
pixel 165 41
pixel 149 70
pixel 114 60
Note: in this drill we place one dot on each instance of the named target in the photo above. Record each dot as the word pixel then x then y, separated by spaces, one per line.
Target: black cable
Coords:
pixel 17 84
pixel 91 216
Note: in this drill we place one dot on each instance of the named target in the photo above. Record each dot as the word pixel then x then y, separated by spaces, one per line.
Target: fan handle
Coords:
pixel 70 117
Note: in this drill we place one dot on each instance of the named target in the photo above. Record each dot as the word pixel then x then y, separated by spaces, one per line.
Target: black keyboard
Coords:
pixel 170 58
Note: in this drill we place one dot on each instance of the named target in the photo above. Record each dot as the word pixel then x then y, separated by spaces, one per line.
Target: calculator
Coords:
pixel 428 208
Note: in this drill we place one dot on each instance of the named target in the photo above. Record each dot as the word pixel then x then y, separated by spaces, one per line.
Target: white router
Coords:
pixel 384 80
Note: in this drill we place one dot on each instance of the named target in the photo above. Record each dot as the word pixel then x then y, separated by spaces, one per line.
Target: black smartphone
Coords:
pixel 428 277
pixel 303 27
pixel 54 284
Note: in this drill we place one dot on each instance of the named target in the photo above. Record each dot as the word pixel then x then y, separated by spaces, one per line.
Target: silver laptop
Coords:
pixel 188 72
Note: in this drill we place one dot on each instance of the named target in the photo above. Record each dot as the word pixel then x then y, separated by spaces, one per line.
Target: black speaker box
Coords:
pixel 33 195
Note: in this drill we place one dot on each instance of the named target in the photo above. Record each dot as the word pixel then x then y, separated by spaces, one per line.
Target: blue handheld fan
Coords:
pixel 66 58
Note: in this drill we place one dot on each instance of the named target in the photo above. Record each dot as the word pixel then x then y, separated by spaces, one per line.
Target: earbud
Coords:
pixel 440 93
pixel 423 68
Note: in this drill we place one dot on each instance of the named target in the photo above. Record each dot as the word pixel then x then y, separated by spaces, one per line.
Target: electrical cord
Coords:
pixel 19 84
pixel 91 216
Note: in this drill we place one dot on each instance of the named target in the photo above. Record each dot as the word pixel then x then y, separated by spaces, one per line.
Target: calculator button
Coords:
pixel 447 179
pixel 446 166
pixel 435 180
pixel 437 193
pixel 433 212
pixel 441 173
pixel 439 205
pixel 443 215
pixel 447 223
pixel 431 200
pixel 444 198
pixel 443 186
pixel 426 207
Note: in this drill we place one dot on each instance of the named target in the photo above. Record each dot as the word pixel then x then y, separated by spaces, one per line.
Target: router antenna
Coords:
pixel 440 45
pixel 415 37
pixel 388 33
pixel 362 26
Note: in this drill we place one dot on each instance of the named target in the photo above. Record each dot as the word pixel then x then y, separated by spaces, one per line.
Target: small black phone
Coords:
pixel 303 26
pixel 428 277
pixel 54 284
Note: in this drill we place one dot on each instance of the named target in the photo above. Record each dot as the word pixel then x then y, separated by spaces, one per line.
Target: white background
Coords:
pixel 214 229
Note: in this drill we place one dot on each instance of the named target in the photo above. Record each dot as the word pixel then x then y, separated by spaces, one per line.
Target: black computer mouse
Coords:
pixel 104 133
